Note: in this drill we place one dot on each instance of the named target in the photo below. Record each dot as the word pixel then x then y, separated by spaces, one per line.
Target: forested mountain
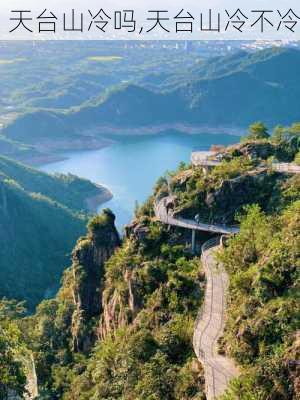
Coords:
pixel 227 91
pixel 41 217
pixel 121 325
pixel 70 73
pixel 69 190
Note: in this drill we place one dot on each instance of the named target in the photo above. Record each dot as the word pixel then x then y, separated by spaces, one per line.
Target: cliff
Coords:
pixel 122 322
pixel 122 310
pixel 88 259
pixel 220 196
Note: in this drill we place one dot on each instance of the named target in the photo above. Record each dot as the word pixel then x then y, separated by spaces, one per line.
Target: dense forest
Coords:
pixel 34 207
pixel 121 324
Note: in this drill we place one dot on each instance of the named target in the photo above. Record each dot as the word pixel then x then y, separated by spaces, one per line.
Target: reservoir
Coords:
pixel 131 166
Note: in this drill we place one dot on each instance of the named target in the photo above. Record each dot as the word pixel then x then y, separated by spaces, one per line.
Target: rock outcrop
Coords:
pixel 137 230
pixel 253 150
pixel 119 307
pixel 89 257
pixel 220 204
pixel 235 193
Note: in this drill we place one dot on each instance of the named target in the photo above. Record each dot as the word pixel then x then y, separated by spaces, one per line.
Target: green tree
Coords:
pixel 158 378
pixel 12 375
pixel 297 158
pixel 295 129
pixel 279 133
pixel 258 131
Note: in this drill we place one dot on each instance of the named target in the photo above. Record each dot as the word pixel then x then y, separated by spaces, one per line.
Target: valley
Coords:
pixel 211 95
pixel 130 166
pixel 149 220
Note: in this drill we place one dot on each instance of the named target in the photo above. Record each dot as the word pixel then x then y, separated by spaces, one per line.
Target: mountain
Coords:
pixel 69 190
pixel 41 218
pixel 230 91
pixel 122 323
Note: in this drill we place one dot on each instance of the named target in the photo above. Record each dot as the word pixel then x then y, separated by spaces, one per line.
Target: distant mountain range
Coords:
pixel 230 91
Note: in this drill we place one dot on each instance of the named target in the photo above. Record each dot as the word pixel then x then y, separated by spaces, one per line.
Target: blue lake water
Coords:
pixel 131 167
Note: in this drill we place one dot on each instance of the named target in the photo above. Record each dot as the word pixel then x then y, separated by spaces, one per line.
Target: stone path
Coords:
pixel 219 370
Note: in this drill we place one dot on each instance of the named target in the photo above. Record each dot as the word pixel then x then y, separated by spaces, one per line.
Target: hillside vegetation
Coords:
pixel 261 332
pixel 121 325
pixel 41 218
pixel 66 189
pixel 131 337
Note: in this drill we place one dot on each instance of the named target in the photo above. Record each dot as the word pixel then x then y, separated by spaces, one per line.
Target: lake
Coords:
pixel 130 167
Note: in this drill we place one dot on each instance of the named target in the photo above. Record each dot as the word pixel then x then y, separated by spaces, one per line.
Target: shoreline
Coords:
pixel 146 130
pixel 97 200
pixel 49 152
pixel 94 202
pixel 42 159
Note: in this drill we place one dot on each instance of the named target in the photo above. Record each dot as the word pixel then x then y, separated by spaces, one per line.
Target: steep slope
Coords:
pixel 136 311
pixel 69 190
pixel 40 223
pixel 126 106
pixel 36 235
pixel 276 66
pixel 89 257
pixel 38 125
pixel 122 323
pixel 263 264
pixel 263 316
pixel 12 352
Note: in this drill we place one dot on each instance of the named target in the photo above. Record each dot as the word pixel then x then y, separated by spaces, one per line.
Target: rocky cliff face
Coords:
pixel 119 309
pixel 233 194
pixel 121 300
pixel 252 150
pixel 222 202
pixel 89 257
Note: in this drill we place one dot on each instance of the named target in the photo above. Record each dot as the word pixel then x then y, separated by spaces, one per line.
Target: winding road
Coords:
pixel 209 327
pixel 219 370
pixel 286 167
pixel 161 213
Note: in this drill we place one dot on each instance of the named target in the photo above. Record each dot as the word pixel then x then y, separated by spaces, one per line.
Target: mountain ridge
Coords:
pixel 230 99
